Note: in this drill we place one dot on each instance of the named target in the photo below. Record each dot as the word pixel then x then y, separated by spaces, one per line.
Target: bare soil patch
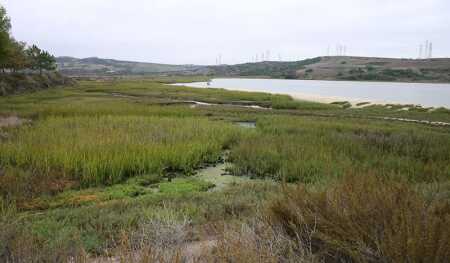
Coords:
pixel 12 121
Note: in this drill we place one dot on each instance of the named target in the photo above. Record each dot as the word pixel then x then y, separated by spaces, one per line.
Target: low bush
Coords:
pixel 366 219
pixel 20 83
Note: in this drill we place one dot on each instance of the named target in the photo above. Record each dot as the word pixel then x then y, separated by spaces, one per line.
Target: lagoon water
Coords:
pixel 425 94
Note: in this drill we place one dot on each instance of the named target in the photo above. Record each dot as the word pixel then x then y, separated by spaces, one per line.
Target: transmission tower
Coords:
pixel 430 50
pixel 268 55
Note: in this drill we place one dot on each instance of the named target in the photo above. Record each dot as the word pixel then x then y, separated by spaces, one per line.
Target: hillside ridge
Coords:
pixel 319 68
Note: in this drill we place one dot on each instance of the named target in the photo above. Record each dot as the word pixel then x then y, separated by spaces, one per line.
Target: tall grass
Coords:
pixel 108 149
pixel 314 149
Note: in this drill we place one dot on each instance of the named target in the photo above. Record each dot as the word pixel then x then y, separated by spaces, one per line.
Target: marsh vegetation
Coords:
pixel 124 170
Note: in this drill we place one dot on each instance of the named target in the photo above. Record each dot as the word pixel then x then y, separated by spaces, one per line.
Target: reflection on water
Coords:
pixel 247 124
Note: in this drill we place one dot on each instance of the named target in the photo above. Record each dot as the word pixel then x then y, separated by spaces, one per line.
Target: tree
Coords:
pixel 5 41
pixel 40 60
pixel 46 61
pixel 5 22
pixel 17 58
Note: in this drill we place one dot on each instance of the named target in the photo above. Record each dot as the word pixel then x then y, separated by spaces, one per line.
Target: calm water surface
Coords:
pixel 428 95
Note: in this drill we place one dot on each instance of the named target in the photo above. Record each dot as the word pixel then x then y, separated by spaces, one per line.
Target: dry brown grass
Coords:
pixel 22 186
pixel 366 219
pixel 257 241
pixel 254 241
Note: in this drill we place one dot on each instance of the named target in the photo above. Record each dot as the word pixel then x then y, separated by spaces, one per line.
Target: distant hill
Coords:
pixel 320 68
pixel 273 69
pixel 99 66
pixel 377 69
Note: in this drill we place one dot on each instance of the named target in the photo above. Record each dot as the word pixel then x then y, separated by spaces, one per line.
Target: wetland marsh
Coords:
pixel 110 170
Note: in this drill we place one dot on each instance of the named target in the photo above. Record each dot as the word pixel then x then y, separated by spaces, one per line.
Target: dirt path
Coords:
pixel 189 252
pixel 432 123
pixel 194 250
pixel 11 121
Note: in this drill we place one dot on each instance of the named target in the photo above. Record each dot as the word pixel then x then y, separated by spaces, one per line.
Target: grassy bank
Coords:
pixel 108 169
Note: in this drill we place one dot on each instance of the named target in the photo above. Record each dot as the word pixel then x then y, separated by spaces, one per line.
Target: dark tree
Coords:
pixel 5 27
pixel 5 22
pixel 40 60
pixel 17 58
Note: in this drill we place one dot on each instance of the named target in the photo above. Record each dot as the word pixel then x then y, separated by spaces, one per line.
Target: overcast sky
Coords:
pixel 197 31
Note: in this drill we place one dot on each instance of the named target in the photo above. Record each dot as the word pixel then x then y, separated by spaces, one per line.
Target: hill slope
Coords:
pixel 99 66
pixel 320 68
pixel 381 69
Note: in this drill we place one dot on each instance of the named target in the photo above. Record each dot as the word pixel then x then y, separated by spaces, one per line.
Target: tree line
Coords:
pixel 16 55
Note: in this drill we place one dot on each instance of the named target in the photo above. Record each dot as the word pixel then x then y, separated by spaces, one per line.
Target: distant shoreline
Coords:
pixel 319 98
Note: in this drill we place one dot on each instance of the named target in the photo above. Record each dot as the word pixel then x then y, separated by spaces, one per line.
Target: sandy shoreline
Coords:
pixel 311 97
pixel 321 99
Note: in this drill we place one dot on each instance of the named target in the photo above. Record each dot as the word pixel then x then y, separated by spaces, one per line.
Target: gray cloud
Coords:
pixel 196 31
